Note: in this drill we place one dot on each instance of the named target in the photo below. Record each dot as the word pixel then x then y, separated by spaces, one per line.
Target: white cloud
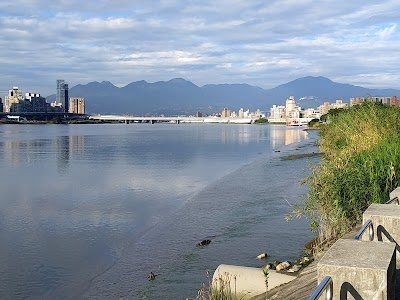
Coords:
pixel 387 32
pixel 256 42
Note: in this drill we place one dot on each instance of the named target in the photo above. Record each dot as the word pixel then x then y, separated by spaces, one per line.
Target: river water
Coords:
pixel 87 211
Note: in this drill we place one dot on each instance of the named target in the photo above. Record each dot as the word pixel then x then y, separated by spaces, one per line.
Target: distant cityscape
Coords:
pixel 15 102
pixel 290 114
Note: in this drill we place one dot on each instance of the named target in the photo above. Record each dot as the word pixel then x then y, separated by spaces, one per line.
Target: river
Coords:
pixel 87 211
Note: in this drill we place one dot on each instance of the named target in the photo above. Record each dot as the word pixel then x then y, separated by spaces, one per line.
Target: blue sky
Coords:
pixel 262 43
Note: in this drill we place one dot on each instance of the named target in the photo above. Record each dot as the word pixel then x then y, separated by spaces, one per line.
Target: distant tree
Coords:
pixel 314 123
pixel 261 121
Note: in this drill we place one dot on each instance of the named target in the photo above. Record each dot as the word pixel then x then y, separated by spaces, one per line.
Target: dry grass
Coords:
pixel 220 288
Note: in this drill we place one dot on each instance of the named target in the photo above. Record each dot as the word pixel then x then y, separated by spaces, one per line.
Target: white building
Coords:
pixel 326 107
pixel 14 96
pixel 311 113
pixel 241 113
pixel 292 110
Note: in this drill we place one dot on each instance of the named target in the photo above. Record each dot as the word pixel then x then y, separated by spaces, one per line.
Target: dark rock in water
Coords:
pixel 262 256
pixel 151 276
pixel 203 243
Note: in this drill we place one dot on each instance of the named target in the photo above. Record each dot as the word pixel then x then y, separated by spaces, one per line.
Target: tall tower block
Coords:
pixel 62 94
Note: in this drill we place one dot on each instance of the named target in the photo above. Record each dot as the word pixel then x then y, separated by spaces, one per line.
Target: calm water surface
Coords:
pixel 87 211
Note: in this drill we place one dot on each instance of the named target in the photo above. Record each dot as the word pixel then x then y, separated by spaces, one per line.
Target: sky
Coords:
pixel 261 43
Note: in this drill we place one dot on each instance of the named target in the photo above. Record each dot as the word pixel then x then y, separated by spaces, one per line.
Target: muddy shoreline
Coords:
pixel 298 156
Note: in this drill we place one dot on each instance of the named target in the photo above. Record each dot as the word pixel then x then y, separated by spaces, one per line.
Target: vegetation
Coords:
pixel 261 121
pixel 219 289
pixel 360 165
pixel 314 123
pixel 266 275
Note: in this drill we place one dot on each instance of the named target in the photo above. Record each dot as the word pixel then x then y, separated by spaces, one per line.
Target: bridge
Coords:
pixel 175 119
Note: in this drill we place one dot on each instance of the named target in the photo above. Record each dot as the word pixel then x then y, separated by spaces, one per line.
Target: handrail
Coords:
pixel 394 199
pixel 368 224
pixel 326 284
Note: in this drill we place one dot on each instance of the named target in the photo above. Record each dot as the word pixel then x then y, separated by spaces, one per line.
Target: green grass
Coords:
pixel 360 165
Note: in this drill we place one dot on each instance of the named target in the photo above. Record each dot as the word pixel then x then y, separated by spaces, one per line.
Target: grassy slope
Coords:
pixel 360 166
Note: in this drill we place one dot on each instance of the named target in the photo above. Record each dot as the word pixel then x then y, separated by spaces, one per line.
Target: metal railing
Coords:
pixel 367 225
pixel 395 200
pixel 325 285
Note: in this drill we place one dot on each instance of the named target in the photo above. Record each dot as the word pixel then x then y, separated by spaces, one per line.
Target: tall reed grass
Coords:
pixel 360 165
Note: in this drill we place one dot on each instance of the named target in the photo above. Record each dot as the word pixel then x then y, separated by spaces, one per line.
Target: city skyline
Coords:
pixel 258 43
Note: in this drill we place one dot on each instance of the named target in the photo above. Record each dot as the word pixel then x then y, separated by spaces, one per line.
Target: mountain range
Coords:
pixel 181 97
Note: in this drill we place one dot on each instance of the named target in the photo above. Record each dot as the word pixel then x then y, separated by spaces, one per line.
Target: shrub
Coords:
pixel 359 166
pixel 261 121
pixel 314 123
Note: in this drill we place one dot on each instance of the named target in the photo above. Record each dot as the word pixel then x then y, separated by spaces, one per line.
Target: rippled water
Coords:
pixel 86 211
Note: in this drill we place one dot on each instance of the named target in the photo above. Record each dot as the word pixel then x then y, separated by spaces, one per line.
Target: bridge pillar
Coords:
pixel 151 121
pixel 126 121
pixel 177 121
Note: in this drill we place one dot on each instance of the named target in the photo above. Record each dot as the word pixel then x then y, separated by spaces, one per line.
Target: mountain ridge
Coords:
pixel 179 96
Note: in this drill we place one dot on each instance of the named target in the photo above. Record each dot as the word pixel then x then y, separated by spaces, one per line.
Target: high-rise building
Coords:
pixel 62 94
pixel 77 105
pixel 1 105
pixel 38 102
pixel 14 97
pixel 226 113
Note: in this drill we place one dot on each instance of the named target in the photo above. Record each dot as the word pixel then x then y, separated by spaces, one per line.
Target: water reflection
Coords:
pixel 283 135
pixel 61 145
pixel 36 150
pixel 243 135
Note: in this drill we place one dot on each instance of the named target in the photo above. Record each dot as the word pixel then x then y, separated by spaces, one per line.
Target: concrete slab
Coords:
pixel 395 193
pixel 364 270
pixel 386 221
pixel 247 281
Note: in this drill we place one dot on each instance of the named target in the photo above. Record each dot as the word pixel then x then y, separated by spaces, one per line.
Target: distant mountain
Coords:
pixel 316 90
pixel 179 96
